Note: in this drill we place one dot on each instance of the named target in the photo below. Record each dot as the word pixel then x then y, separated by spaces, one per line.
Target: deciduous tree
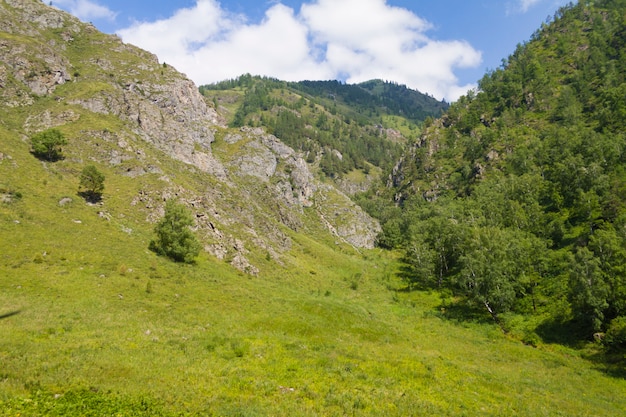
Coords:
pixel 174 237
pixel 47 144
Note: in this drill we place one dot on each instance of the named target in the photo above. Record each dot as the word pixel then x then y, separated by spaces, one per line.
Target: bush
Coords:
pixel 47 144
pixel 174 239
pixel 615 338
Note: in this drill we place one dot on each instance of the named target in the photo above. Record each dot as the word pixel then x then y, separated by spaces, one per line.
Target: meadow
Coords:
pixel 108 328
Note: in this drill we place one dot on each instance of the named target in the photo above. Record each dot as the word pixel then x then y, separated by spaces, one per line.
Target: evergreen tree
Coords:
pixel 92 182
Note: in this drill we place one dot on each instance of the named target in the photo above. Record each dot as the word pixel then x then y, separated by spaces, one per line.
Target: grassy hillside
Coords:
pixel 108 328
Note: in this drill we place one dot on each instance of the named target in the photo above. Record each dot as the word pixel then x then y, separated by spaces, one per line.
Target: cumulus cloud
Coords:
pixel 351 40
pixel 86 9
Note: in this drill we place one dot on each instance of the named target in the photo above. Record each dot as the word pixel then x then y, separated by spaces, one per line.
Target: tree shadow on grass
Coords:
pixel 9 314
pixel 90 197
pixel 575 335
pixel 460 311
pixel 611 363
pixel 406 274
pixel 48 157
pixel 566 332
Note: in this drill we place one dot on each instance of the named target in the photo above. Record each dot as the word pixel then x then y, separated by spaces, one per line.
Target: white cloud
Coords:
pixel 527 4
pixel 352 40
pixel 520 6
pixel 86 10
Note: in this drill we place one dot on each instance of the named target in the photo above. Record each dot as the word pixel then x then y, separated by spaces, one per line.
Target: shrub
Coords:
pixel 47 144
pixel 174 239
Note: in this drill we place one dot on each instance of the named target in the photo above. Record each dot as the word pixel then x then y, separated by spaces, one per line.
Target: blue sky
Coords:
pixel 440 47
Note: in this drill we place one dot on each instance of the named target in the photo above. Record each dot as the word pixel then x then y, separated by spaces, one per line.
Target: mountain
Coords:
pixel 287 309
pixel 141 120
pixel 349 131
pixel 376 98
pixel 525 178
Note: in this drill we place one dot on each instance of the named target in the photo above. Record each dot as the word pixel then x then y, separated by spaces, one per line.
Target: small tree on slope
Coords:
pixel 174 238
pixel 47 145
pixel 92 182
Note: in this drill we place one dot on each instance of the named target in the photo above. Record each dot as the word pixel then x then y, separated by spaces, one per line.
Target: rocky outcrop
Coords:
pixel 347 221
pixel 161 105
pixel 261 154
pixel 254 189
pixel 295 186
pixel 39 67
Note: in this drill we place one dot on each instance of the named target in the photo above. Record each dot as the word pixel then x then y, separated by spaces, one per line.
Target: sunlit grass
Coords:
pixel 114 326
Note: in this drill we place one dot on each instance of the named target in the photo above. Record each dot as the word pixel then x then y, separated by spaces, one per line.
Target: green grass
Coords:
pixel 408 129
pixel 108 328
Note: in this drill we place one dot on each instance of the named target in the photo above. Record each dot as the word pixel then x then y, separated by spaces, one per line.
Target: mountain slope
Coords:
pixel 350 131
pixel 137 118
pixel 535 158
pixel 103 326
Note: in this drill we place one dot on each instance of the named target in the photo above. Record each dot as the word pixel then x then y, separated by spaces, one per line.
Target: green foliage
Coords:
pixel 615 337
pixel 174 237
pixel 343 124
pixel 514 199
pixel 494 266
pixel 47 144
pixel 92 183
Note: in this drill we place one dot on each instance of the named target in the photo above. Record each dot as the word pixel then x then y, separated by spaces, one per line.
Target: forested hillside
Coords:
pixel 343 127
pixel 515 200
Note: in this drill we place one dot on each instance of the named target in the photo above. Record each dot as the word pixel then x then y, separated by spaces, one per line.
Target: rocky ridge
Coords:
pixel 59 72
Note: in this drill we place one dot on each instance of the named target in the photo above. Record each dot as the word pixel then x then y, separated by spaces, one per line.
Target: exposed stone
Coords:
pixel 232 138
pixel 48 119
pixel 256 160
pixel 241 263
pixel 161 115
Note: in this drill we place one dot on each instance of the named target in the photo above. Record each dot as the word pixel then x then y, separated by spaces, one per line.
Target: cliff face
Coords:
pixel 122 108
pixel 50 48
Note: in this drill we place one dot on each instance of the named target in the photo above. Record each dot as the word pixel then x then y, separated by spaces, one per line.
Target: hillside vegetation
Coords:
pixel 340 126
pixel 515 199
pixel 288 309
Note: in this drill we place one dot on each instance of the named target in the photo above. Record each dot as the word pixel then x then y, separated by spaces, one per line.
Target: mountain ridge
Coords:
pixel 113 108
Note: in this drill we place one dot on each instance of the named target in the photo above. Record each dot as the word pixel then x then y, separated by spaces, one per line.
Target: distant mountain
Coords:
pixel 339 126
pixel 376 98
